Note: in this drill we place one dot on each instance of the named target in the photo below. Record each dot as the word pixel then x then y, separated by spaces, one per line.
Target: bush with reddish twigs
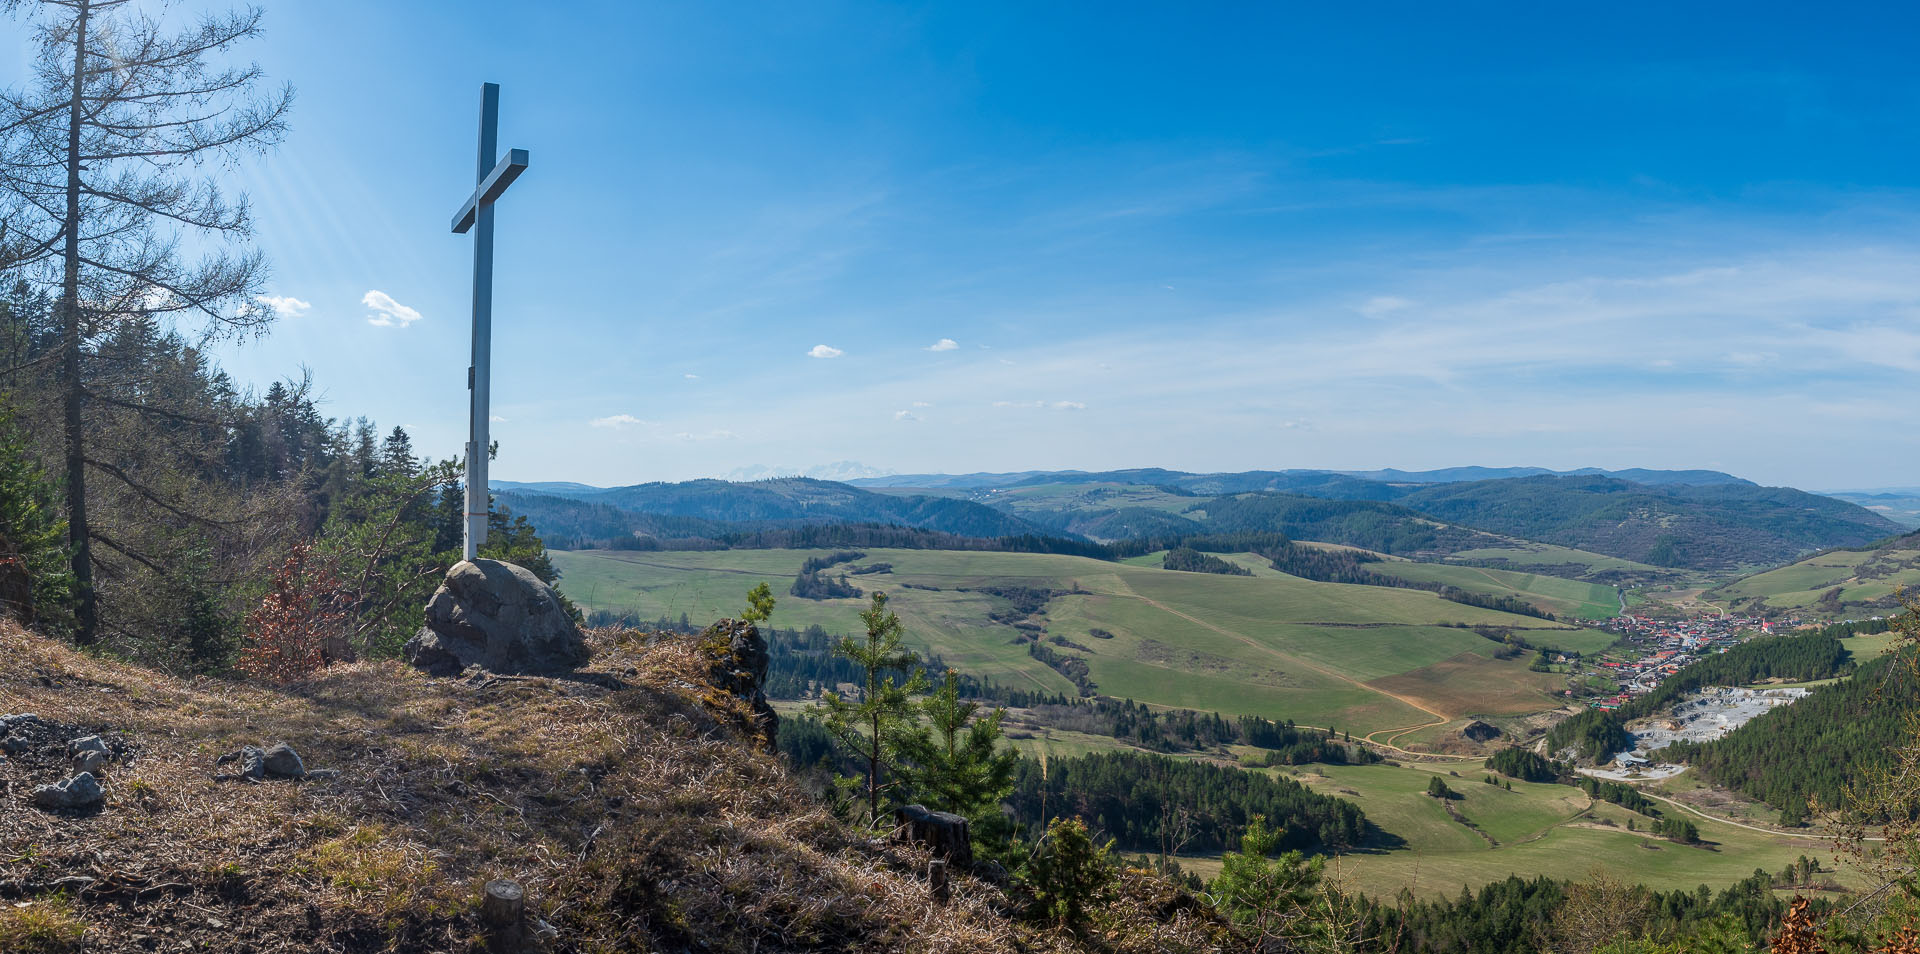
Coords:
pixel 305 607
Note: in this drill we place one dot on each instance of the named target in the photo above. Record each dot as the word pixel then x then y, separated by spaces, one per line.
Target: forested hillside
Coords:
pixel 1820 746
pixel 1709 527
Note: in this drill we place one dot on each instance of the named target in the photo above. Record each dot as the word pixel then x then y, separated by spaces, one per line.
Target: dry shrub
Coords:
pixel 305 608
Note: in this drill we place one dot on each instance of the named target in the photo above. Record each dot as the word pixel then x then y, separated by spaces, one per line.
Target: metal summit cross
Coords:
pixel 491 180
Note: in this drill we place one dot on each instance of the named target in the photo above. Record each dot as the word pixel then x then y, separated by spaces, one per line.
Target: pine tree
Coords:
pixel 872 727
pixel 1067 873
pixel 1264 895
pixel 953 760
pixel 31 533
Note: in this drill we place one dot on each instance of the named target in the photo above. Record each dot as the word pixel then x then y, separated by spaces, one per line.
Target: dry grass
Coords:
pixel 627 802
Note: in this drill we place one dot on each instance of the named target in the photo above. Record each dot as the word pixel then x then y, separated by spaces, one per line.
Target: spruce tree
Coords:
pixel 873 727
pixel 954 762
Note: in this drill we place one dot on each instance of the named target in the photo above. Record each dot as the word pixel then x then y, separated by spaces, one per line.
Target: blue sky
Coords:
pixel 1206 237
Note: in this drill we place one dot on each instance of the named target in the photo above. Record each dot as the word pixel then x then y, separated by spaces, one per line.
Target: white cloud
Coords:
pixel 944 344
pixel 825 351
pixel 905 416
pixel 1056 405
pixel 691 376
pixel 283 306
pixel 922 404
pixel 1383 305
pixel 617 421
pixel 497 419
pixel 387 312
pixel 707 436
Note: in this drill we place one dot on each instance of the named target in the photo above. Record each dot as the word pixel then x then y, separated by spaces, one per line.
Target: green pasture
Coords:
pixel 1535 829
pixel 1562 597
pixel 1861 576
pixel 1359 657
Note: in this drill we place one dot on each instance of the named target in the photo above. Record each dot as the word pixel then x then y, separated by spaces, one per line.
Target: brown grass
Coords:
pixel 627 802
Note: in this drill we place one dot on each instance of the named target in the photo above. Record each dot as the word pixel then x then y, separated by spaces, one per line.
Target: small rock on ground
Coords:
pixel 79 792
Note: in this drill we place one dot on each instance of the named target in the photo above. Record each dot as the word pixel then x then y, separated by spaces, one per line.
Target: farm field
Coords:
pixel 1836 584
pixel 1535 829
pixel 1557 595
pixel 1362 658
pixel 1546 554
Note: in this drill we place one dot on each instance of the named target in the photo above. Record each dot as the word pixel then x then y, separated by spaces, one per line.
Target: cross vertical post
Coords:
pixel 491 178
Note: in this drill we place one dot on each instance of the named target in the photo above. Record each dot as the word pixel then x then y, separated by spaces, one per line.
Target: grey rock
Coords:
pixel 89 762
pixel 15 746
pixel 92 743
pixel 80 791
pixel 7 722
pixel 497 616
pixel 282 761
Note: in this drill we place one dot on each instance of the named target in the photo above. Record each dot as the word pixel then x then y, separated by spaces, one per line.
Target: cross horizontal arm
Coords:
pixel 490 188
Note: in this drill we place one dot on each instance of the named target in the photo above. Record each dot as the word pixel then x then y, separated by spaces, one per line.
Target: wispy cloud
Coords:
pixel 1054 405
pixel 825 351
pixel 944 344
pixel 284 306
pixel 707 436
pixel 616 421
pixel 388 313
pixel 497 419
pixel 691 376
pixel 1383 305
pixel 905 416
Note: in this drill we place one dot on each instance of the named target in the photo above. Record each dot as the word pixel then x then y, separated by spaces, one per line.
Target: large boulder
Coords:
pixel 499 617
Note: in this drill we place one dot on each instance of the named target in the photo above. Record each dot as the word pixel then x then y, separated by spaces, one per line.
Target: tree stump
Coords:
pixel 503 906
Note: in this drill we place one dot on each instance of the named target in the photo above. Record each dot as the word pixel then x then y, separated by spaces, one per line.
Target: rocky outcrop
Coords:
pixel 1479 731
pixel 740 661
pixel 499 617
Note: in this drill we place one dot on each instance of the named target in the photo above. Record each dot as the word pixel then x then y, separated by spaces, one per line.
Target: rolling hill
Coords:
pixel 1837 584
pixel 1365 657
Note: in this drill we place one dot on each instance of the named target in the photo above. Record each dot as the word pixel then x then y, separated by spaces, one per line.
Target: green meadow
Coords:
pixel 1562 597
pixel 1859 581
pixel 1361 658
pixel 1535 829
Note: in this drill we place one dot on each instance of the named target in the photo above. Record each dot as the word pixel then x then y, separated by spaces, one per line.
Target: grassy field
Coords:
pixel 1535 829
pixel 1357 657
pixel 1562 597
pixel 1864 581
pixel 1546 554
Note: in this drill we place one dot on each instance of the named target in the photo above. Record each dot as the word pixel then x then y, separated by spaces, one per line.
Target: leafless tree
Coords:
pixel 103 180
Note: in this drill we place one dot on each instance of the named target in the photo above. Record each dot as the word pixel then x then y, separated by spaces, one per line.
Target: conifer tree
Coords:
pixel 1266 896
pixel 873 727
pixel 954 762
pixel 102 152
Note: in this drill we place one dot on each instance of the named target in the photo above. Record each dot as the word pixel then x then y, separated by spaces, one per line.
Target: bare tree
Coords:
pixel 103 178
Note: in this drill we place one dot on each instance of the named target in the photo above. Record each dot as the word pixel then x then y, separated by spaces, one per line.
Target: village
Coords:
pixel 1663 646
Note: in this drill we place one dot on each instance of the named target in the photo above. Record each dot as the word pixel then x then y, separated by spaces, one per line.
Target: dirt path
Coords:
pixel 1269 650
pixel 1683 806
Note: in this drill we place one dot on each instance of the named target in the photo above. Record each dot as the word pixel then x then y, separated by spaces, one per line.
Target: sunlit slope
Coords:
pixel 1534 829
pixel 1357 657
pixel 1835 584
pixel 1557 595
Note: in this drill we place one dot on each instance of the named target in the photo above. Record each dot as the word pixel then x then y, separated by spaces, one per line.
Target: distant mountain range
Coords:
pixel 1285 479
pixel 1691 519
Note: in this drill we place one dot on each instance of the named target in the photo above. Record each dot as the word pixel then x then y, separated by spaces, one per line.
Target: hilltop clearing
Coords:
pixel 625 799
